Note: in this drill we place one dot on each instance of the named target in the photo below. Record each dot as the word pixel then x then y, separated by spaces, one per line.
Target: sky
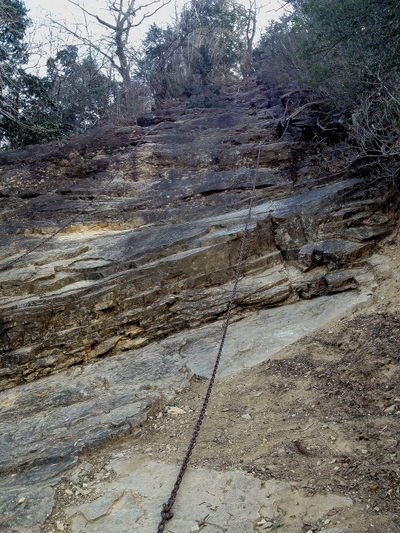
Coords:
pixel 45 40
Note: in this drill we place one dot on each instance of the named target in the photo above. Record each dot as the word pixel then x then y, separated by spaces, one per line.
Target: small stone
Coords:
pixel 246 416
pixel 333 438
pixel 261 522
pixel 175 411
pixel 22 500
pixel 390 410
pixel 69 492
pixel 267 525
pixel 364 452
pixel 195 529
pixel 326 522
pixel 60 526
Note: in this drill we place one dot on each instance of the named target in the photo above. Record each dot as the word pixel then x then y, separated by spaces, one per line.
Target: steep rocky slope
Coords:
pixel 118 311
pixel 307 441
pixel 156 251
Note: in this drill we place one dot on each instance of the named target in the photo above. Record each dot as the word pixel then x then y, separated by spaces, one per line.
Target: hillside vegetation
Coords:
pixel 345 52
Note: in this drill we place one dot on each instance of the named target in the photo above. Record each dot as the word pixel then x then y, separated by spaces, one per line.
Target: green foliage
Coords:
pixel 30 116
pixel 203 63
pixel 204 98
pixel 355 40
pixel 13 23
pixel 204 47
pixel 27 114
pixel 349 50
pixel 339 46
pixel 80 90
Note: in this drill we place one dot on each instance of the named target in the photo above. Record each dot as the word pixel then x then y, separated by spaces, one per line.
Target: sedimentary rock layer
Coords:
pixel 156 252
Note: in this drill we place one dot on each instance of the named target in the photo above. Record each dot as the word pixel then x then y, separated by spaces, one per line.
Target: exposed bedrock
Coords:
pixel 120 309
pixel 156 253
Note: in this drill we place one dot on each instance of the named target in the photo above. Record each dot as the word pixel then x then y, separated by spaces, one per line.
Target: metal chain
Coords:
pixel 166 513
pixel 71 220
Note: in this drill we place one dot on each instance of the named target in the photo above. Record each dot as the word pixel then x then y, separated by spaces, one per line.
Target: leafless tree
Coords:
pixel 120 18
pixel 246 65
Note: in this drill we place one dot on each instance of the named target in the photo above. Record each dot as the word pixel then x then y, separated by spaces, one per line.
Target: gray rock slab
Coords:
pixel 60 415
pixel 232 501
pixel 256 338
pixel 50 318
pixel 145 242
pixel 51 420
pixel 332 252
pixel 27 499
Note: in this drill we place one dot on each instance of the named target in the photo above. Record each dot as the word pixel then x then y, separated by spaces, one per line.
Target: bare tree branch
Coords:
pixel 114 46
pixel 88 42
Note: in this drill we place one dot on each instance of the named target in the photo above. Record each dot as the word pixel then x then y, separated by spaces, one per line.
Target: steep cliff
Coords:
pixel 155 252
pixel 119 250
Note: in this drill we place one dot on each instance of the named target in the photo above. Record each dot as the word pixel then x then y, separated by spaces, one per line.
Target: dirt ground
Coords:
pixel 322 414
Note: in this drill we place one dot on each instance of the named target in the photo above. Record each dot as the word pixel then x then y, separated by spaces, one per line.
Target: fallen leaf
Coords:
pixel 300 447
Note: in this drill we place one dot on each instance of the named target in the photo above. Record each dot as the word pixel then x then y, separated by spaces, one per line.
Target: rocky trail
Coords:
pixel 109 330
pixel 305 441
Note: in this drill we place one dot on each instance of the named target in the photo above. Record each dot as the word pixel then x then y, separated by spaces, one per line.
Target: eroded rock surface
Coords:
pixel 156 251
pixel 60 415
pixel 96 324
pixel 236 502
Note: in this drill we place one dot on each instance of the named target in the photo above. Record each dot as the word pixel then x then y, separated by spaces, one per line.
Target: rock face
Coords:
pixel 46 423
pixel 119 309
pixel 157 251
pixel 60 415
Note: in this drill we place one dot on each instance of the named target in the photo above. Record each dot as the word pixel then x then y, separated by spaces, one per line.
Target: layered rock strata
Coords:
pixel 157 251
pixel 119 310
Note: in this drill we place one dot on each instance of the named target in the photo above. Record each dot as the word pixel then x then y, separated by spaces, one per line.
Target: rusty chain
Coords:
pixel 71 220
pixel 166 513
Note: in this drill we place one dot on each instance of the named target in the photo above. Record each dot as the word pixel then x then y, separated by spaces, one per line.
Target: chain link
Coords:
pixel 166 513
